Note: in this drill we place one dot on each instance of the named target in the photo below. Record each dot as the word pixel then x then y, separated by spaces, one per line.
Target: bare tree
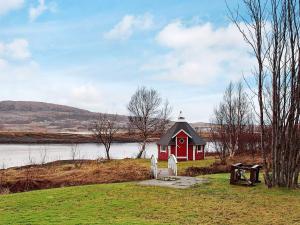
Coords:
pixel 76 157
pixel 75 154
pixel 31 160
pixel 231 119
pixel 251 137
pixel 148 114
pixel 228 110
pixel 218 135
pixel 43 156
pixel 105 129
pixel 271 28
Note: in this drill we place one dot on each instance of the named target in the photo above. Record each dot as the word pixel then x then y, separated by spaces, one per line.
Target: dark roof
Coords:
pixel 167 138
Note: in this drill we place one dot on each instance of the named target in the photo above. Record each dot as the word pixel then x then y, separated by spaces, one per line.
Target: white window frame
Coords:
pixel 163 148
pixel 199 148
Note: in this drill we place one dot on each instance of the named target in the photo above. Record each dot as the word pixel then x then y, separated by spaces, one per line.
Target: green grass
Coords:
pixel 128 203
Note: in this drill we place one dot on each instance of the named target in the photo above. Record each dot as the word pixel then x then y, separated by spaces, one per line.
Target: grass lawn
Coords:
pixel 129 203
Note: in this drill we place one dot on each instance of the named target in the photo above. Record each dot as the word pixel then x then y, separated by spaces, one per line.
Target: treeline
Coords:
pixel 235 130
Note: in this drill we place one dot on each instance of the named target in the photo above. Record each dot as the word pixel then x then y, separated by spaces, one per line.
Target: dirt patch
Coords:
pixel 68 173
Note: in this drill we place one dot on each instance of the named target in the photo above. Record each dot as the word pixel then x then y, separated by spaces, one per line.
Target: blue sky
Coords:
pixel 94 54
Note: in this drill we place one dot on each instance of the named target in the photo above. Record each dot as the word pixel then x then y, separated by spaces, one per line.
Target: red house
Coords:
pixel 182 141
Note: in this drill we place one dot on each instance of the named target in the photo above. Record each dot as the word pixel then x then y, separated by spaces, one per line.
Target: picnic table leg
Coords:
pixel 232 175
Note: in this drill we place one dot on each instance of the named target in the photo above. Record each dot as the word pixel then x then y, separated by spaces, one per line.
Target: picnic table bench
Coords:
pixel 238 174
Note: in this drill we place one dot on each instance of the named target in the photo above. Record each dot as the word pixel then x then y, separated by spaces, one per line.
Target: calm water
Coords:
pixel 23 154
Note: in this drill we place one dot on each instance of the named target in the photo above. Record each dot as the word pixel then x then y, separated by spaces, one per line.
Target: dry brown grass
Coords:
pixel 218 167
pixel 66 173
pixel 81 172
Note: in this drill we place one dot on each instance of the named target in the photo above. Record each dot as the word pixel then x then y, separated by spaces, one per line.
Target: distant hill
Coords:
pixel 29 106
pixel 46 117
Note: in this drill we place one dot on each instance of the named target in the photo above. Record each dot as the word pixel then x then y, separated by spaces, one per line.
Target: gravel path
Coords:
pixel 175 182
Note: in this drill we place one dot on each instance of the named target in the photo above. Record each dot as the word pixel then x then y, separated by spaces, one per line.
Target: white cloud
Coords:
pixel 86 93
pixel 35 12
pixel 20 71
pixel 18 49
pixel 8 5
pixel 197 109
pixel 128 25
pixel 97 96
pixel 2 48
pixel 200 54
pixel 15 60
pixel 3 64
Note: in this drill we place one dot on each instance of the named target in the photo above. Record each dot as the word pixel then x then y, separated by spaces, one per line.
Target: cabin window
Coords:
pixel 163 148
pixel 181 140
pixel 199 148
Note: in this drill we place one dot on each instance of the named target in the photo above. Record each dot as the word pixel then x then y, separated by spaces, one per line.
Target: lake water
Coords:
pixel 12 155
pixel 24 154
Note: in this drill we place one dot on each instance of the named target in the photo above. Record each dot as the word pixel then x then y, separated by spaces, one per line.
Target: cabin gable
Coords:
pixel 182 133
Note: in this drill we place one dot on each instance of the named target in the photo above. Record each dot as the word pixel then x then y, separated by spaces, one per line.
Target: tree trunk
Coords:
pixel 107 154
pixel 143 148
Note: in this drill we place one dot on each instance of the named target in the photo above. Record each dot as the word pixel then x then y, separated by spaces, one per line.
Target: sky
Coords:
pixel 94 54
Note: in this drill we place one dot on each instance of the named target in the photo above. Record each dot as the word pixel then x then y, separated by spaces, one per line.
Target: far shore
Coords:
pixel 11 137
pixel 30 137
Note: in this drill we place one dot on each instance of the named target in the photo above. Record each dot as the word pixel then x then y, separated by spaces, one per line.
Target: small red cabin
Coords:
pixel 182 141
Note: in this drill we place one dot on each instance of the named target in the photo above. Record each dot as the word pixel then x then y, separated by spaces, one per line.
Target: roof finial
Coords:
pixel 181 117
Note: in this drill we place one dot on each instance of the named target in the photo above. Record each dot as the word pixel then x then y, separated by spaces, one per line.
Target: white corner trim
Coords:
pixel 194 150
pixel 187 148
pixel 176 148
